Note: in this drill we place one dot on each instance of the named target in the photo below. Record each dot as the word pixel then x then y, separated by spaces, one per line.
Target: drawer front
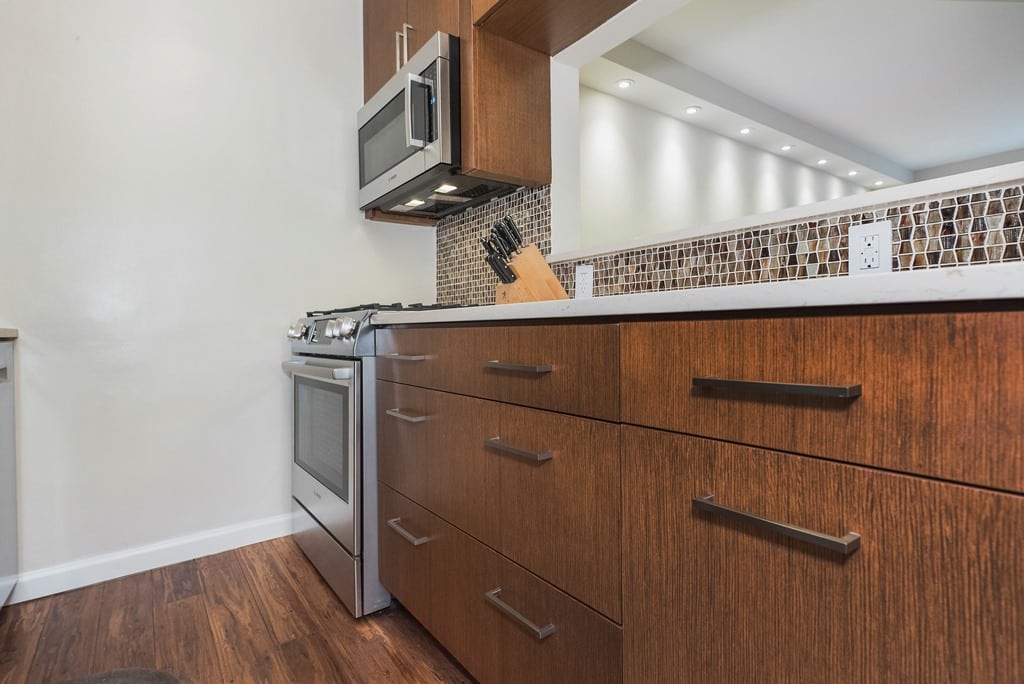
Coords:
pixel 567 368
pixel 463 477
pixel 940 393
pixel 561 502
pixel 449 359
pixel 404 430
pixel 493 644
pixel 935 591
pixel 406 537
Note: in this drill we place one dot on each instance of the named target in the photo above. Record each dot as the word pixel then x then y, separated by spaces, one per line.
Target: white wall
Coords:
pixel 177 185
pixel 643 173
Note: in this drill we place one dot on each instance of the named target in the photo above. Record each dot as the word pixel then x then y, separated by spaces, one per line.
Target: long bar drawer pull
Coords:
pixel 845 545
pixel 404 533
pixel 407 417
pixel 831 391
pixel 518 367
pixel 494 597
pixel 536 456
pixel 405 357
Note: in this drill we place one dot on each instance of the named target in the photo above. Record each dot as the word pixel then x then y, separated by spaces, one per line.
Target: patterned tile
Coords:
pixel 961 228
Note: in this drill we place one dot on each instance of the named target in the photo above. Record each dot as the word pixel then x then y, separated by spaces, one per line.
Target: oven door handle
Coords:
pixel 301 368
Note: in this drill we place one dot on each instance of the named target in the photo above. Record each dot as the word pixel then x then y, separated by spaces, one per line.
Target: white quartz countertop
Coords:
pixel 8 334
pixel 992 282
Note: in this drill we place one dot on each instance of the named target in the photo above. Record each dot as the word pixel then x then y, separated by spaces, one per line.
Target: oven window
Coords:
pixel 322 433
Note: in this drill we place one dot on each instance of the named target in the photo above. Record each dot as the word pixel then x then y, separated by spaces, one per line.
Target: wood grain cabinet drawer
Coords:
pixel 406 534
pixel 566 368
pixel 506 625
pixel 932 591
pixel 935 394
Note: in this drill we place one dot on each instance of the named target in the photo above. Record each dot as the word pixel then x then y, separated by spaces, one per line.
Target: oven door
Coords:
pixel 326 458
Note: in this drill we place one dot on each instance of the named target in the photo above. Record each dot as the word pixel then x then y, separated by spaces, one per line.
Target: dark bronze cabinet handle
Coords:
pixel 535 456
pixel 518 367
pixel 493 596
pixel 845 545
pixel 831 391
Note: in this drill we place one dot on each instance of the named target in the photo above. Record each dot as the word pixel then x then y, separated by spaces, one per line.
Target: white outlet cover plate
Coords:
pixel 856 240
pixel 584 281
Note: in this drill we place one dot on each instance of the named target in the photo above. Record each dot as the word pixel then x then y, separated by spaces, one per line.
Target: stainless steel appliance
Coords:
pixel 334 466
pixel 410 140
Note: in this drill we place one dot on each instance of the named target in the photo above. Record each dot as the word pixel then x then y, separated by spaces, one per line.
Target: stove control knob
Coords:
pixel 346 327
pixel 331 329
pixel 296 332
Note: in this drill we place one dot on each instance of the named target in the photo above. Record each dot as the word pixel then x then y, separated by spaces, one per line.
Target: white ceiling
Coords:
pixel 894 88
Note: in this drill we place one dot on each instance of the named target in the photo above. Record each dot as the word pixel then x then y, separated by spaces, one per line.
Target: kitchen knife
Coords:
pixel 506 250
pixel 488 247
pixel 501 229
pixel 502 270
pixel 490 262
pixel 517 237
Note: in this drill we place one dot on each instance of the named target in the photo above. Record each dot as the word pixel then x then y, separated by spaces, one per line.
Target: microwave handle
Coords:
pixel 410 139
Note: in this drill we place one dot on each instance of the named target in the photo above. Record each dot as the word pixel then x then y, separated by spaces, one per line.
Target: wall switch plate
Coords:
pixel 584 281
pixel 870 248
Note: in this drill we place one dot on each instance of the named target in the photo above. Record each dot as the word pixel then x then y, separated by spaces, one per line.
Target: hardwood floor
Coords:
pixel 256 614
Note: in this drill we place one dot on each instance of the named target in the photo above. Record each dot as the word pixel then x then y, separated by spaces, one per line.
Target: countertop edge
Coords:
pixel 7 334
pixel 991 282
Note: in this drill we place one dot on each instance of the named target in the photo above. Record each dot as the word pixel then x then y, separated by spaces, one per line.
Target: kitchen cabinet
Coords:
pixel 395 29
pixel 406 532
pixel 548 26
pixel 8 476
pixel 933 593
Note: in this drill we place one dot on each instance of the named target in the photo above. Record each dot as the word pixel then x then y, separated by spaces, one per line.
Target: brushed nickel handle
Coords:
pixel 405 357
pixel 407 417
pixel 493 596
pixel 518 367
pixel 398 51
pixel 404 533
pixel 830 391
pixel 3 372
pixel 845 545
pixel 535 456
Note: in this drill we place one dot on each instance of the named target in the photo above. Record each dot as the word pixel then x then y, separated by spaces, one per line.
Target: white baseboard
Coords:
pixel 58 578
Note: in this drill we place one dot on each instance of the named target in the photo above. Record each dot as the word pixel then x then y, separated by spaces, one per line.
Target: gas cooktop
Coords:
pixel 396 306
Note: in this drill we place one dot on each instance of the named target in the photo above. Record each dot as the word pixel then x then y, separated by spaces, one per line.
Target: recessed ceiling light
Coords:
pixel 822 162
pixel 692 109
pixel 744 131
pixel 415 203
pixel 446 188
pixel 787 148
pixel 851 173
pixel 878 182
pixel 624 83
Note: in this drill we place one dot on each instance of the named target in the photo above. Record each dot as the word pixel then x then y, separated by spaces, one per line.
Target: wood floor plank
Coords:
pixel 180 581
pixel 246 651
pixel 67 642
pixel 20 627
pixel 310 659
pixel 125 635
pixel 185 642
pixel 286 615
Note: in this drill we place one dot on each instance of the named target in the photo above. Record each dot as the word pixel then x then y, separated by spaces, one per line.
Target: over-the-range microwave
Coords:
pixel 410 140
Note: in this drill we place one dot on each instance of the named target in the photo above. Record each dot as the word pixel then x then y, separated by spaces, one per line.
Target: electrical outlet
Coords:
pixel 584 281
pixel 870 248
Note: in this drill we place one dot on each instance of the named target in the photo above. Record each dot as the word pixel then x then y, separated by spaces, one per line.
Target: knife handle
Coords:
pixel 513 230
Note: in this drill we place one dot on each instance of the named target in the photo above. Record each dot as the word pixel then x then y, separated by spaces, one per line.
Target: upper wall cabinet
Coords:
pixel 395 29
pixel 548 26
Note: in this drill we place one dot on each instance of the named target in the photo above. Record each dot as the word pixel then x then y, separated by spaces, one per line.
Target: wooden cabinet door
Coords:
pixel 561 516
pixel 381 20
pixel 940 393
pixel 406 535
pixel 935 592
pixel 404 438
pixel 463 475
pixel 427 17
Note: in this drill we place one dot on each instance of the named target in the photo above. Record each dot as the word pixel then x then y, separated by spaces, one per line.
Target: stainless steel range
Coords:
pixel 334 467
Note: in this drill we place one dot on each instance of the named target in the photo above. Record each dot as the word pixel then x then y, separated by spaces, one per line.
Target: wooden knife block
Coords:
pixel 535 282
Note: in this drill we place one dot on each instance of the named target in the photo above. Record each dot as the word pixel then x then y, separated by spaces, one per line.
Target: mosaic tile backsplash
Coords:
pixel 967 227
